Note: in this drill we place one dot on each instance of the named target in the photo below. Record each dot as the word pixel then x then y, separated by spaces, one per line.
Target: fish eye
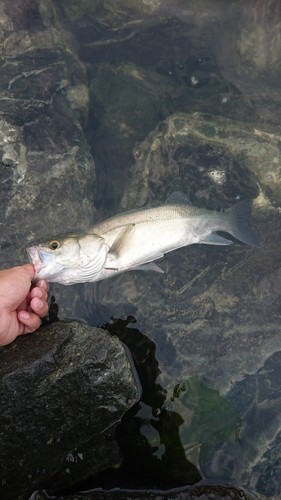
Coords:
pixel 54 244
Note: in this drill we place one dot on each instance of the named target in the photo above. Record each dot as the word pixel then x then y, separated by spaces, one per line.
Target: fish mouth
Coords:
pixel 43 264
pixel 35 259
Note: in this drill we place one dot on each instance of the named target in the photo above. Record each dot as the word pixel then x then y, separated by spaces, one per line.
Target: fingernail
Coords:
pixel 39 293
pixel 40 304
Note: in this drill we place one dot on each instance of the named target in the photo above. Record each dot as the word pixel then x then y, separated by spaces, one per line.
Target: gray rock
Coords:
pixel 48 172
pixel 63 391
pixel 207 492
pixel 215 313
pixel 211 158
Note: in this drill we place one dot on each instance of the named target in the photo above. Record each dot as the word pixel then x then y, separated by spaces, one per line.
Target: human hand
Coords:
pixel 21 305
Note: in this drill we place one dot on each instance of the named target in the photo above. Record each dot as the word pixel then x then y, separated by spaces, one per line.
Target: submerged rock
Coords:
pixel 214 315
pixel 63 391
pixel 47 172
pixel 213 159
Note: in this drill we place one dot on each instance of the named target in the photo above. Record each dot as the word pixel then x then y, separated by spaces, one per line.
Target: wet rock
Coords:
pixel 215 313
pixel 131 98
pixel 213 159
pixel 127 98
pixel 243 39
pixel 252 43
pixel 207 492
pixel 257 398
pixel 47 171
pixel 109 11
pixel 63 391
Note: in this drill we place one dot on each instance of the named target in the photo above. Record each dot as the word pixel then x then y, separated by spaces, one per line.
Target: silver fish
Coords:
pixel 133 240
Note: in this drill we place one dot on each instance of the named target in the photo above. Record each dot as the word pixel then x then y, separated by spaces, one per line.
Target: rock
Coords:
pixel 209 75
pixel 206 492
pixel 215 313
pixel 243 39
pixel 213 159
pixel 48 172
pixel 109 11
pixel 63 391
pixel 117 89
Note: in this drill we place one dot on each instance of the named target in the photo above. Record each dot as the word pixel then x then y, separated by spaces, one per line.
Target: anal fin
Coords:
pixel 215 239
pixel 150 266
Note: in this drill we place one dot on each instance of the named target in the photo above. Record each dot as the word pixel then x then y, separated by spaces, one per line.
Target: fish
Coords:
pixel 134 240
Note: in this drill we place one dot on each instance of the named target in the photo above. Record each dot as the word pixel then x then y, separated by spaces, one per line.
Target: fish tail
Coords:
pixel 239 223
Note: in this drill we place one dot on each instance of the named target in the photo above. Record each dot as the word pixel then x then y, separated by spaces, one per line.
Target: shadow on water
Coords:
pixel 148 436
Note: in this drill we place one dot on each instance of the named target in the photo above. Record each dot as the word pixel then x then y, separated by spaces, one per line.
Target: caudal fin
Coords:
pixel 239 219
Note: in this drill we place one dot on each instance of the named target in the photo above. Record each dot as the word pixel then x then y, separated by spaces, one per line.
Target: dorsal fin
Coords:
pixel 177 198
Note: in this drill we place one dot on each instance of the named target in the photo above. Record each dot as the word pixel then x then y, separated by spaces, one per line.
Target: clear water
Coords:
pixel 205 336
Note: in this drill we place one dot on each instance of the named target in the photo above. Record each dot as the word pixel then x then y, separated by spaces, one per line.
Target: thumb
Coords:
pixel 29 268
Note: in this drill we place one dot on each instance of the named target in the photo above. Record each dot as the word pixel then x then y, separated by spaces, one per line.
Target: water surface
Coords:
pixel 184 96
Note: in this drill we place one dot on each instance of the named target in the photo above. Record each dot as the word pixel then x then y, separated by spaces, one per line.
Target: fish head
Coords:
pixel 69 260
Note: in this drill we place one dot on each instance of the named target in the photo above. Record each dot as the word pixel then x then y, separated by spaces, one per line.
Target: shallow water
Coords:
pixel 183 96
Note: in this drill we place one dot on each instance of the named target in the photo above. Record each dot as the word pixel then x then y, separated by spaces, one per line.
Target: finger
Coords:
pixel 39 307
pixel 42 284
pixel 41 293
pixel 31 321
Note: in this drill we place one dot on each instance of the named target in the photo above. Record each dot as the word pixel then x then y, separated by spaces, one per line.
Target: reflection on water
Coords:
pixel 165 96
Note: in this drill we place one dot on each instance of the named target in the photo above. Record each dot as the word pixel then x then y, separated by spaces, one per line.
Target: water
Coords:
pixel 184 96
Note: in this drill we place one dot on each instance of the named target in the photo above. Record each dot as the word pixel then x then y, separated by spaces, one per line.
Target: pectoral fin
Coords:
pixel 118 258
pixel 215 239
pixel 121 242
